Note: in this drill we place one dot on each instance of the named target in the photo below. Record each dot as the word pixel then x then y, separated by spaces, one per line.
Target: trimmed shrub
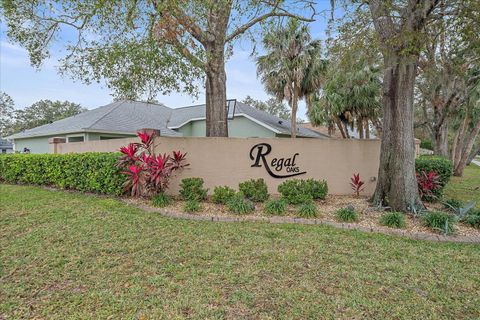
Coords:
pixel 222 194
pixel 161 200
pixel 347 214
pixel 192 206
pixel 192 189
pixel 296 191
pixel 239 205
pixel 439 221
pixel 275 207
pixel 318 189
pixel 440 165
pixel 393 220
pixel 254 189
pixel 87 172
pixel 307 210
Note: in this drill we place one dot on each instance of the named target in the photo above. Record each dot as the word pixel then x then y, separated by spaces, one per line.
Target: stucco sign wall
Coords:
pixel 228 161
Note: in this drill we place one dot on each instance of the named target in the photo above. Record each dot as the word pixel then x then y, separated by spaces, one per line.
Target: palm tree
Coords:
pixel 293 68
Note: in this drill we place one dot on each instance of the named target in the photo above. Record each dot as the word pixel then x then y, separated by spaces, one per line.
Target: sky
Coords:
pixel 27 85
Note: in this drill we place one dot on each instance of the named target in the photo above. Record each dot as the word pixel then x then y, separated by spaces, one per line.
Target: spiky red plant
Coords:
pixel 147 172
pixel 357 184
pixel 428 183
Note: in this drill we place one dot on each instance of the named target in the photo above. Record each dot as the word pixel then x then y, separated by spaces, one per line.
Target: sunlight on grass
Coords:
pixel 67 255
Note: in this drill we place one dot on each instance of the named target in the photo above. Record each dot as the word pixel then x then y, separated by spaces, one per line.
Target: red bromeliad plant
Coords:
pixel 357 184
pixel 148 173
pixel 427 184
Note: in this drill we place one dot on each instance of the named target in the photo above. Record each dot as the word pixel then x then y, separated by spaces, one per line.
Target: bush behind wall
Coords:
pixel 87 172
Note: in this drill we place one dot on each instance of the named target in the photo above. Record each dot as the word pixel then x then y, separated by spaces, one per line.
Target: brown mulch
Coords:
pixel 369 217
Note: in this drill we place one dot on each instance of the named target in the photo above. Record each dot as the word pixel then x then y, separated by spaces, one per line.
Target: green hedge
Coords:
pixel 88 172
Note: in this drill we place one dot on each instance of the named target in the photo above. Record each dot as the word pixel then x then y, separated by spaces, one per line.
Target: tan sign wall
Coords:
pixel 228 161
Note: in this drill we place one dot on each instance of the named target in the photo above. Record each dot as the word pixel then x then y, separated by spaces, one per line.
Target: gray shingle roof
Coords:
pixel 180 116
pixel 121 116
pixel 129 116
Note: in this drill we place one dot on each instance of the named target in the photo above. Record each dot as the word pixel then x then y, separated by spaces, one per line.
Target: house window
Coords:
pixel 76 139
pixel 109 138
pixel 4 150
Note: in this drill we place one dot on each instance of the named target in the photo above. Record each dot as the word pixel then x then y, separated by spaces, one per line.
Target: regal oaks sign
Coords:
pixel 279 168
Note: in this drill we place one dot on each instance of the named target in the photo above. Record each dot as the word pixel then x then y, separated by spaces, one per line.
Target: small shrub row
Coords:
pixel 88 172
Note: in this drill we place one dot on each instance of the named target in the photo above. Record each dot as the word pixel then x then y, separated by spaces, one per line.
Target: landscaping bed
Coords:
pixel 368 216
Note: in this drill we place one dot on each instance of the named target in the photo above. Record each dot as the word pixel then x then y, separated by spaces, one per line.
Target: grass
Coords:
pixel 465 188
pixel 73 256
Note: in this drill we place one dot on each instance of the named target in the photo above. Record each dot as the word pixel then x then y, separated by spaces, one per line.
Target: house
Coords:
pixel 5 146
pixel 122 119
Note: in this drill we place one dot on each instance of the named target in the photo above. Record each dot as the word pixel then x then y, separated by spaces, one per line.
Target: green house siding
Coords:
pixel 239 127
pixel 95 136
pixel 35 144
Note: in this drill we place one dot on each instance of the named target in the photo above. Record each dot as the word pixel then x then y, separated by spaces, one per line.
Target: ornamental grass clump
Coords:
pixel 275 207
pixel 240 205
pixel 161 200
pixel 439 221
pixel 221 194
pixel 393 220
pixel 307 210
pixel 347 214
pixel 254 189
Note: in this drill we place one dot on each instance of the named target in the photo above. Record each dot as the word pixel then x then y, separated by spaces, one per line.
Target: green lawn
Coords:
pixel 76 256
pixel 467 187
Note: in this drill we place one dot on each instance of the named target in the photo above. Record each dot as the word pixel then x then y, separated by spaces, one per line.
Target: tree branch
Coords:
pixel 273 13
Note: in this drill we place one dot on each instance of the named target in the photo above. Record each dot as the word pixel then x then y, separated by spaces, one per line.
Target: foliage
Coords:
pixel 473 219
pixel 452 203
pixel 439 221
pixel 192 189
pixel 161 200
pixel 271 106
pixel 148 173
pixel 292 67
pixel 440 165
pixel 296 191
pixel 426 144
pixel 222 194
pixel 393 220
pixel 6 114
pixel 347 214
pixel 87 172
pixel 307 210
pixel 192 205
pixel 317 188
pixel 459 208
pixel 275 207
pixel 428 184
pixel 240 205
pixel 254 189
pixel 357 184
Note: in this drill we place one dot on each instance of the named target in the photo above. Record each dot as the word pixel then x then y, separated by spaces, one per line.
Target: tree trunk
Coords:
pixel 473 154
pixel 462 162
pixel 440 140
pixel 216 93
pixel 397 183
pixel 458 144
pixel 367 129
pixel 360 128
pixel 293 120
pixel 216 103
pixel 339 124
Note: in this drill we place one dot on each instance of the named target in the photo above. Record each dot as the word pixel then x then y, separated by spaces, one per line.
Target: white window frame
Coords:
pixel 76 136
